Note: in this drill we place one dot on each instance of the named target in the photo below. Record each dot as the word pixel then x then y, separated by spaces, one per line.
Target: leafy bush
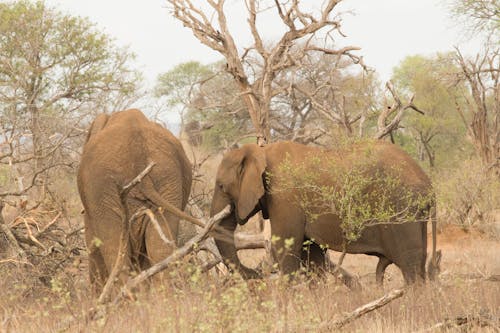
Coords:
pixel 358 192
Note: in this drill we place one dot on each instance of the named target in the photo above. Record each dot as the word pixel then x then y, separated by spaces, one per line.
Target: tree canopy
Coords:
pixel 439 131
pixel 56 72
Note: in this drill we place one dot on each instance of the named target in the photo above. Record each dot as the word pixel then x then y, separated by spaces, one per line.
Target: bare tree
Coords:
pixel 481 114
pixel 257 88
pixel 479 15
pixel 325 87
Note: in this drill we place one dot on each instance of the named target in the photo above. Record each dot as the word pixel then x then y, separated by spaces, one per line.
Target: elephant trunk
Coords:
pixel 224 237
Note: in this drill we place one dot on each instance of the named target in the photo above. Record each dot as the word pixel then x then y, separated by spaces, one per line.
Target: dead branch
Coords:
pixel 48 225
pixel 244 241
pixel 157 226
pixel 20 253
pixel 209 244
pixel 482 77
pixel 124 237
pixel 398 108
pixel 348 279
pixel 333 325
pixel 35 241
pixel 210 264
pixel 181 252
pixel 345 51
pixel 127 188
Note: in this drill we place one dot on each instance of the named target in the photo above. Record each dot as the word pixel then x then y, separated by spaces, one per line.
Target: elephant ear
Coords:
pixel 252 189
pixel 97 125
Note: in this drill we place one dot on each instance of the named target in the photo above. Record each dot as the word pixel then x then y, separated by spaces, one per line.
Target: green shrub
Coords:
pixel 358 192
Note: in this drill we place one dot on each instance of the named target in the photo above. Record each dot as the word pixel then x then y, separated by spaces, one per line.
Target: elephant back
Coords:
pixel 121 145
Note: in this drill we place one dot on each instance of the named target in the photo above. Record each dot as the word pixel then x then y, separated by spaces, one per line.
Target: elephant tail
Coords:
pixel 152 195
pixel 433 267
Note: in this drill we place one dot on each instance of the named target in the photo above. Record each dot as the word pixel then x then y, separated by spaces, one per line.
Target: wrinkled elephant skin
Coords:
pixel 247 179
pixel 118 148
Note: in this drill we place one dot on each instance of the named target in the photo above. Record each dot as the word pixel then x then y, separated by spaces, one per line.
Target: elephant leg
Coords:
pixel 313 258
pixel 103 241
pixel 98 269
pixel 316 260
pixel 286 246
pixel 382 264
pixel 413 267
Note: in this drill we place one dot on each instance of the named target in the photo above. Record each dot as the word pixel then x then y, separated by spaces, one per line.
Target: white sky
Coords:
pixel 386 30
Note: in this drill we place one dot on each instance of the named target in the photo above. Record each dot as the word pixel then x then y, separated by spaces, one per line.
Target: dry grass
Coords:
pixel 193 302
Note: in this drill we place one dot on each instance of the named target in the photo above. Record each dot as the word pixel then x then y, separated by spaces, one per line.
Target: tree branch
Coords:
pixel 333 325
pixel 385 129
pixel 190 246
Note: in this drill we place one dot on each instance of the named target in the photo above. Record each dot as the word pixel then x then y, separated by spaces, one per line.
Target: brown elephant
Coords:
pixel 248 179
pixel 118 148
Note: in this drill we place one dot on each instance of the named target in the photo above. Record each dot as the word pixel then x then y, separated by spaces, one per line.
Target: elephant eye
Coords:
pixel 221 187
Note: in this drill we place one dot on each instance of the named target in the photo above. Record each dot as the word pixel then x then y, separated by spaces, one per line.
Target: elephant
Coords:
pixel 118 148
pixel 249 178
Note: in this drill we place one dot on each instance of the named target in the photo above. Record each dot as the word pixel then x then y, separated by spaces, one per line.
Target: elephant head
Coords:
pixel 239 183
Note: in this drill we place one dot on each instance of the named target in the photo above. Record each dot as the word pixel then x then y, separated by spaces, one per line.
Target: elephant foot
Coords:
pixel 382 264
pixel 348 279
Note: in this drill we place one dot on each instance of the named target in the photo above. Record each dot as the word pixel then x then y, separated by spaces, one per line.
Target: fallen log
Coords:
pixel 244 241
pixel 332 325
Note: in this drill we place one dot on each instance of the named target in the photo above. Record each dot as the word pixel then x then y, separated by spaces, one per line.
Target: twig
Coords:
pixel 384 129
pixel 14 261
pixel 46 227
pixel 157 226
pixel 210 264
pixel 126 189
pixel 35 241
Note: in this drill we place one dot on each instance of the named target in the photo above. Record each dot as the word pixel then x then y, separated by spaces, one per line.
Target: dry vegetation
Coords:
pixel 44 283
pixel 187 300
pixel 190 301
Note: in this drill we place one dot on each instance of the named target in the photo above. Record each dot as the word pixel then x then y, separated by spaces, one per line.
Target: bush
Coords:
pixel 468 195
